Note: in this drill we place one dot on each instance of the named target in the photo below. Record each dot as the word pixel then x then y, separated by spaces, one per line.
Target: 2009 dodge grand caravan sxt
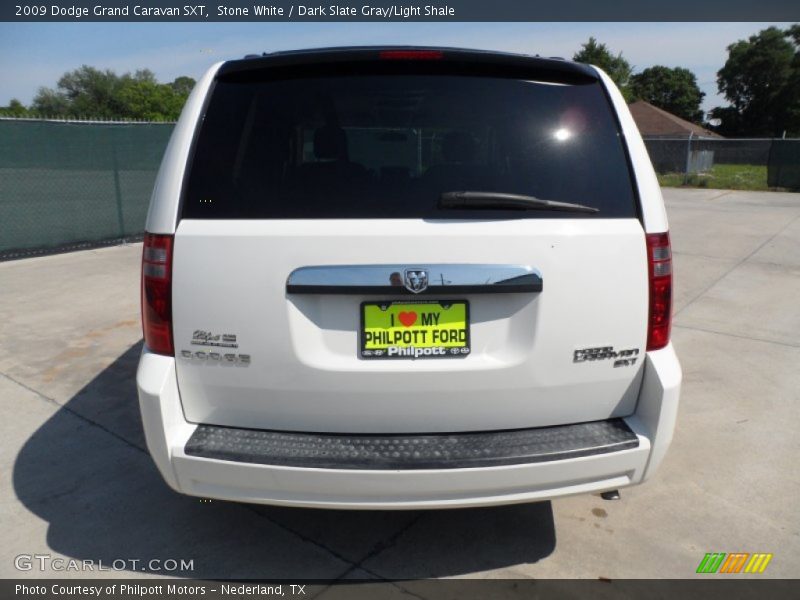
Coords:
pixel 406 278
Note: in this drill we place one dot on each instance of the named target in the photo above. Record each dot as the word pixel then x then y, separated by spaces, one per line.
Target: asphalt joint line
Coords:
pixel 377 549
pixel 83 418
pixel 735 266
pixel 718 196
pixel 303 537
pixel 738 336
pixel 381 546
pixel 353 566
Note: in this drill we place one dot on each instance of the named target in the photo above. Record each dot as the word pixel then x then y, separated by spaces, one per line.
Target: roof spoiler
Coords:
pixel 449 60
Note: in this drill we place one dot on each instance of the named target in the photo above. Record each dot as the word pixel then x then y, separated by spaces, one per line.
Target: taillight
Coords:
pixel 659 272
pixel 411 55
pixel 157 293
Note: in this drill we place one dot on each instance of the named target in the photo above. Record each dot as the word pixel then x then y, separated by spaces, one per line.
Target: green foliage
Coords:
pixel 15 108
pixel 91 93
pixel 150 101
pixel 721 177
pixel 617 68
pixel 182 85
pixel 674 90
pixel 761 80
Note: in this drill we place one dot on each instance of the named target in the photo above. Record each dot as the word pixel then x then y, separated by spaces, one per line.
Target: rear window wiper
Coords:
pixel 502 200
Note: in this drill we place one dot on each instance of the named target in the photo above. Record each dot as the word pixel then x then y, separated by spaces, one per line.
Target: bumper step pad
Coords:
pixel 411 451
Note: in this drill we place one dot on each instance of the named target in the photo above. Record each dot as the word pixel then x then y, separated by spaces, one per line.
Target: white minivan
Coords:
pixel 399 277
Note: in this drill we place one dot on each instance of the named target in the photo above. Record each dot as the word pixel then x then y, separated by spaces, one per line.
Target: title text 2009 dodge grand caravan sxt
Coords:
pixel 406 278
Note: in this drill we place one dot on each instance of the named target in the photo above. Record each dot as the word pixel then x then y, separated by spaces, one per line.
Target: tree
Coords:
pixel 792 91
pixel 674 90
pixel 150 101
pixel 599 55
pixel 90 92
pixel 15 108
pixel 761 80
pixel 183 85
pixel 49 103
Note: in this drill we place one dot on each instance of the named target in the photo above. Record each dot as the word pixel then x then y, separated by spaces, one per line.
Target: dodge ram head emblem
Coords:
pixel 416 280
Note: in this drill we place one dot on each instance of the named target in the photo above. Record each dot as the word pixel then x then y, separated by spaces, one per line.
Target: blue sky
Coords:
pixel 37 54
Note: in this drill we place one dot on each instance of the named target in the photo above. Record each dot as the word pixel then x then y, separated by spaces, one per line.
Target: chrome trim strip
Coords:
pixel 388 279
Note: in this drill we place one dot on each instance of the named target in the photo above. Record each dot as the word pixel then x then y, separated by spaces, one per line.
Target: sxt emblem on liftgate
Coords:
pixel 416 280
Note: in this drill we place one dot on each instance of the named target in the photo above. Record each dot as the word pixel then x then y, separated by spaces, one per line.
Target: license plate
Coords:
pixel 423 329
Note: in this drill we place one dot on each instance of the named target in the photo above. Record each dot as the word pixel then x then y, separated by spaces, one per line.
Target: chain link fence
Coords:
pixel 71 184
pixel 772 163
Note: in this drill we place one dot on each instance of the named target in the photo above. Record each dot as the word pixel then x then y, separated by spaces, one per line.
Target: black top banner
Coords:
pixel 400 10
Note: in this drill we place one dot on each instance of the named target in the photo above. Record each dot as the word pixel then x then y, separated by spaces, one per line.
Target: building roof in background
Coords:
pixel 653 121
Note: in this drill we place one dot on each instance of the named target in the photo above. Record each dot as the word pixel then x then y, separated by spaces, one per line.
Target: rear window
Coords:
pixel 387 146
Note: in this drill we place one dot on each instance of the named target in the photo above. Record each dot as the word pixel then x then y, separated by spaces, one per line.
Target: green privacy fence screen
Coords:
pixel 70 183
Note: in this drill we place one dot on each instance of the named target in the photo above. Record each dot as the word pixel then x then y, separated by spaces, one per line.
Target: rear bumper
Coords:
pixel 167 433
